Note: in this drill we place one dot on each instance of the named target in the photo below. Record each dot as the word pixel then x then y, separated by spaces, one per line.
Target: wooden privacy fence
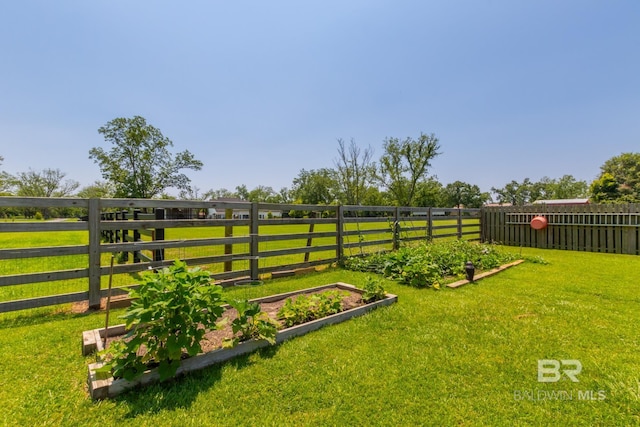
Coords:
pixel 53 262
pixel 591 228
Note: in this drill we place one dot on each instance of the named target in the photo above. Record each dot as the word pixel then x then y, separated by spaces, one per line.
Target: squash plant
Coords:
pixel 251 323
pixel 168 317
pixel 373 290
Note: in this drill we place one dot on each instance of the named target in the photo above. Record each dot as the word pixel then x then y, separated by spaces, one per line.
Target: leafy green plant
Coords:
pixel 373 290
pixel 168 317
pixel 310 307
pixel 251 322
pixel 425 265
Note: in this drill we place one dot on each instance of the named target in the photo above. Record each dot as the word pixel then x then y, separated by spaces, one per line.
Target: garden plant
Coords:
pixel 428 264
pixel 170 313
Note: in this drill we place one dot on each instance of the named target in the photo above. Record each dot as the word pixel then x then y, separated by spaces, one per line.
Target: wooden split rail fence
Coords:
pixel 235 241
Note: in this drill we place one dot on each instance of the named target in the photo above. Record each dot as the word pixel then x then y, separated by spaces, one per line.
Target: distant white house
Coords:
pixel 213 213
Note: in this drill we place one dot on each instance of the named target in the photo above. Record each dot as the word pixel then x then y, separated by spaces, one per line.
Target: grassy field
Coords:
pixel 451 357
pixel 45 264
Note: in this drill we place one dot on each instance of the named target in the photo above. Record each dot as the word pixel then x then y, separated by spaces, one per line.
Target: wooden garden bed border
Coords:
pixel 101 388
pixel 485 274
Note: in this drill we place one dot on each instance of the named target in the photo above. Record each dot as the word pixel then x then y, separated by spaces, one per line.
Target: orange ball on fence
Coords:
pixel 538 223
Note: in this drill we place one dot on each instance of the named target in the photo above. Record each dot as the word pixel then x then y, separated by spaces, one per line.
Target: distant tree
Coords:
pixel 284 195
pixel 194 193
pixel 604 189
pixel 6 181
pixel 461 194
pixel 374 197
pixel 566 187
pixel 625 171
pixel 316 187
pixel 404 164
pixel 139 164
pixel 263 194
pixel 46 183
pixel 430 193
pixel 222 193
pixel 242 192
pixel 354 172
pixel 516 193
pixel 99 189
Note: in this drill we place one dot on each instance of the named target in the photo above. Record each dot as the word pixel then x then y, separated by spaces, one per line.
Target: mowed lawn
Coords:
pixel 451 357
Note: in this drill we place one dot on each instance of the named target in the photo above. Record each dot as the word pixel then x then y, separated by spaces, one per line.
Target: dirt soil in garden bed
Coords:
pixel 213 339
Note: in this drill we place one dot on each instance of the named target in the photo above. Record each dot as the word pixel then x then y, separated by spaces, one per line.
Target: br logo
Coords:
pixel 551 370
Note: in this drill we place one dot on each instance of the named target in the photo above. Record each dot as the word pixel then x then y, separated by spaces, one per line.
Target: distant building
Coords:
pixel 562 202
pixel 497 205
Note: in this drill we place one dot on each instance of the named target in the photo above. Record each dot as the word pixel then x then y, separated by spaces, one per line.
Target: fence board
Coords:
pixel 116 226
pixel 594 228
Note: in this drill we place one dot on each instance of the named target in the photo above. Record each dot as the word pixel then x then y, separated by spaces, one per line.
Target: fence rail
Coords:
pixel 591 228
pixel 54 262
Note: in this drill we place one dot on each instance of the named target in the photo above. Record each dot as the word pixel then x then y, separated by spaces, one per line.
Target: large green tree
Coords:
pixel 625 171
pixel 404 164
pixel 139 163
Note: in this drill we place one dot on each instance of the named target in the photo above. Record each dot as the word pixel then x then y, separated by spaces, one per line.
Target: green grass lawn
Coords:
pixel 450 357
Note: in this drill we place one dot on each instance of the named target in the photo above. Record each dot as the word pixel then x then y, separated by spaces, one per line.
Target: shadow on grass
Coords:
pixel 181 392
pixel 34 317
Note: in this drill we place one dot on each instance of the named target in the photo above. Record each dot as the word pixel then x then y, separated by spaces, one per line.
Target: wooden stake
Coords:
pixel 106 322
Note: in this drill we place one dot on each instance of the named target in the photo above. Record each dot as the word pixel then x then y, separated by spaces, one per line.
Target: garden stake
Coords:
pixel 106 322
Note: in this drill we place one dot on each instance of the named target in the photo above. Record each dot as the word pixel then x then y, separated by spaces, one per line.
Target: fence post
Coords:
pixel 125 236
pixel 396 229
pixel 312 215
pixel 158 234
pixel 482 224
pixel 339 233
pixel 94 252
pixel 253 241
pixel 136 236
pixel 459 224
pixel 228 232
pixel 429 224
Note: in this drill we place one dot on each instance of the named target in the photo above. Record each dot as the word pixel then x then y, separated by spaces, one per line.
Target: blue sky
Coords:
pixel 260 90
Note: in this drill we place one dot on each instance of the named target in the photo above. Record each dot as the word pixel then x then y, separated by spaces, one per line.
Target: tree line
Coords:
pixel 140 164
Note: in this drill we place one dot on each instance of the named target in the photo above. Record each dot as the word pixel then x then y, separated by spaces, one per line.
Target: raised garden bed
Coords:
pixel 101 387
